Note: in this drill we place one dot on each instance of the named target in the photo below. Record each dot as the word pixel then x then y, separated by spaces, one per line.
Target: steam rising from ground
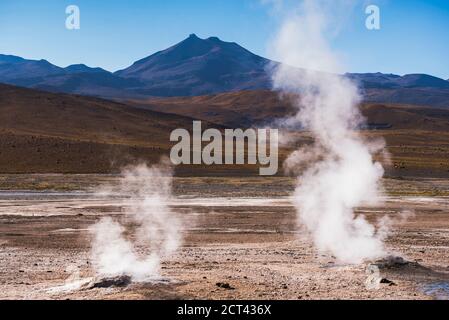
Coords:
pixel 340 172
pixel 156 230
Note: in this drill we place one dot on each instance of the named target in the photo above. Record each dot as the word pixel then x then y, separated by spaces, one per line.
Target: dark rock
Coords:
pixel 386 281
pixel 118 282
pixel 224 285
pixel 392 262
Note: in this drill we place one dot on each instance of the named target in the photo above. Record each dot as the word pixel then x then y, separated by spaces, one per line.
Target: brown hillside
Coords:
pixel 234 109
pixel 246 108
pixel 417 137
pixel 46 132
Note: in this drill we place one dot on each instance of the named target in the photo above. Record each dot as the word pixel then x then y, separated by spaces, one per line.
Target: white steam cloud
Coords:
pixel 340 172
pixel 155 228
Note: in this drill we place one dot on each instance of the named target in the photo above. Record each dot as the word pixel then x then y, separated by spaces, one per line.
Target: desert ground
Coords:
pixel 241 241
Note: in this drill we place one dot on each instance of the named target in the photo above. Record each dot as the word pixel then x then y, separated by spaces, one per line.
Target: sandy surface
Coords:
pixel 241 231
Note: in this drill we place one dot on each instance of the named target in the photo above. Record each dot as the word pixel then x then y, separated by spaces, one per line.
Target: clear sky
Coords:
pixel 414 34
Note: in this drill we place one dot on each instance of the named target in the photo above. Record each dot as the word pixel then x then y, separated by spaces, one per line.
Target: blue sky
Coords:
pixel 414 34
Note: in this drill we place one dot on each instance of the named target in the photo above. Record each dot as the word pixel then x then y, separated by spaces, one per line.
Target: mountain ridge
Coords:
pixel 195 67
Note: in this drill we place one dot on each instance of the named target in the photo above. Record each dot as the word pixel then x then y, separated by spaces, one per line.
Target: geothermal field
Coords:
pixel 233 238
pixel 316 167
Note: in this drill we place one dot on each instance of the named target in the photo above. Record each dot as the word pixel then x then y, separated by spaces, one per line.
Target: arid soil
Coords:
pixel 241 234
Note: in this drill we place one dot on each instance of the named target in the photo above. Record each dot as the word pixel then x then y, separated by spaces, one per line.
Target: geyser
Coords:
pixel 156 229
pixel 340 173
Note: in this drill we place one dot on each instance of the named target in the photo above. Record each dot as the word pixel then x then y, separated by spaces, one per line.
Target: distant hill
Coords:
pixel 42 132
pixel 15 68
pixel 264 107
pixel 392 81
pixel 233 109
pixel 196 67
pixel 82 68
pixel 77 79
pixel 47 132
pixel 415 89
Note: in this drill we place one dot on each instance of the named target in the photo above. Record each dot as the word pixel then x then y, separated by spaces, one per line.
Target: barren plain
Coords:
pixel 241 241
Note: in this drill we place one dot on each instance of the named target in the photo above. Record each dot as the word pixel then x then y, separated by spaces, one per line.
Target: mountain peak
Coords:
pixel 82 68
pixel 198 66
pixel 213 39
pixel 193 38
pixel 4 58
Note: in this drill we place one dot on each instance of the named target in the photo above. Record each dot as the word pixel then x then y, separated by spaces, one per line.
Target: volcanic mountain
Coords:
pixel 196 66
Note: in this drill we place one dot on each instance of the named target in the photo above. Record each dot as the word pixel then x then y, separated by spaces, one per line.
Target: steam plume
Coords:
pixel 340 172
pixel 146 191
